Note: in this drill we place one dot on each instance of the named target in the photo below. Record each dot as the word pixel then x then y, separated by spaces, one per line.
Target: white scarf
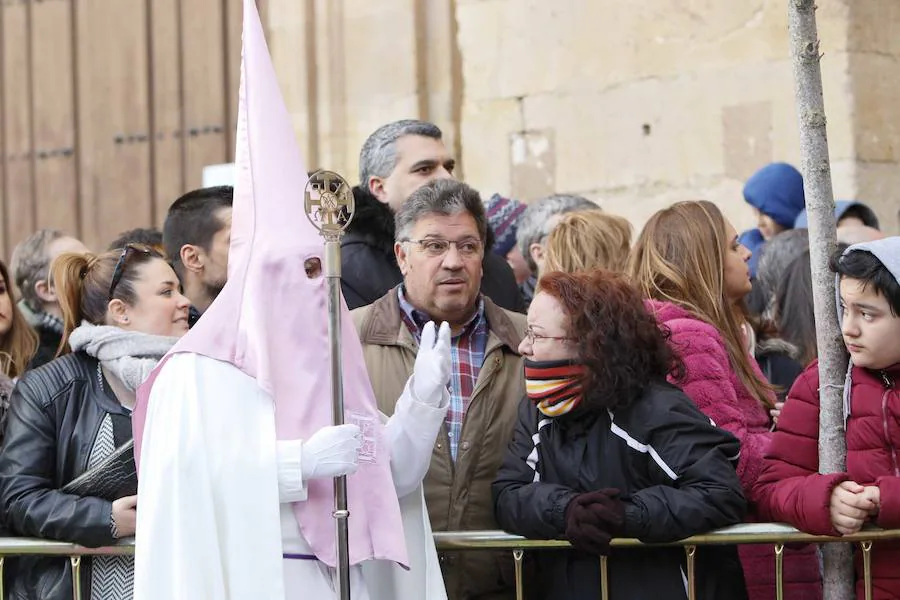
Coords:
pixel 129 355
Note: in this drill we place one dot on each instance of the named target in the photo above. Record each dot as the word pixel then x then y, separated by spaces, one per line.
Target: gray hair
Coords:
pixel 777 256
pixel 378 156
pixel 30 263
pixel 534 224
pixel 442 197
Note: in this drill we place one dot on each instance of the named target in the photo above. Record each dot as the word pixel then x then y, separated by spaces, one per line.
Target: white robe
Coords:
pixel 214 514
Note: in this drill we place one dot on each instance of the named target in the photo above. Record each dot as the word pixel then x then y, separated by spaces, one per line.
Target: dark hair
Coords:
pixel 151 237
pixel 619 341
pixel 442 197
pixel 20 343
pixel 193 219
pixel 83 285
pixel 793 309
pixel 865 266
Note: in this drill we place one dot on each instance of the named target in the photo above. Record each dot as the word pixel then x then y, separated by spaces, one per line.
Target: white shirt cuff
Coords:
pixel 291 487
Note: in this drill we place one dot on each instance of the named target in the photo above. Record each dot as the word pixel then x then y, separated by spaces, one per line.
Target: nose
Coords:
pixel 525 347
pixel 452 259
pixel 745 253
pixel 183 302
pixel 849 328
pixel 442 173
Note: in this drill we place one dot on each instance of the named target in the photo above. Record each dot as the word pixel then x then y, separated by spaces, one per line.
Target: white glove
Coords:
pixel 330 452
pixel 432 371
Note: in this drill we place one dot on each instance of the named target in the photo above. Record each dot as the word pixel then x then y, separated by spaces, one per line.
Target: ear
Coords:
pixel 537 253
pixel 193 258
pixel 45 292
pixel 376 188
pixel 402 257
pixel 117 313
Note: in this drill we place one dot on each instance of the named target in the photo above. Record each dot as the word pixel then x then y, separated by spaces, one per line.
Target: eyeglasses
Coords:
pixel 531 336
pixel 435 247
pixel 119 271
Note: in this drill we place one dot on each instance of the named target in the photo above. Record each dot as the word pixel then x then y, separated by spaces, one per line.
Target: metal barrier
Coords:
pixel 756 533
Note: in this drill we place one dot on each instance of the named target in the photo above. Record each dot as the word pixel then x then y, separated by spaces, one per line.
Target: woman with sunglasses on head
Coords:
pixel 694 272
pixel 122 312
pixel 18 343
pixel 605 447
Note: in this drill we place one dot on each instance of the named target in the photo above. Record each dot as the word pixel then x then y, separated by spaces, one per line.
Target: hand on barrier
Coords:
pixel 331 452
pixel 124 516
pixel 431 373
pixel 593 518
pixel 850 507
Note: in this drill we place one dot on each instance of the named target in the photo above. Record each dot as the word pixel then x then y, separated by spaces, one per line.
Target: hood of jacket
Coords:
pixel 776 190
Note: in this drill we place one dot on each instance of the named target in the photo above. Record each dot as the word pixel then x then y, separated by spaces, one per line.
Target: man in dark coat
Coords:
pixel 396 160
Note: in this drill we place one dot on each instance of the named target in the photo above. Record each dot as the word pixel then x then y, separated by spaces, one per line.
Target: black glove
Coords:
pixel 593 518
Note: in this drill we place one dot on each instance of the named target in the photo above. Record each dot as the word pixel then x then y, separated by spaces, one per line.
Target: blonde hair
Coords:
pixel 680 258
pixel 20 343
pixel 585 240
pixel 82 283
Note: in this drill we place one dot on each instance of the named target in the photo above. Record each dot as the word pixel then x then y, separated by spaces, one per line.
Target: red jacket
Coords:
pixel 790 489
pixel 714 386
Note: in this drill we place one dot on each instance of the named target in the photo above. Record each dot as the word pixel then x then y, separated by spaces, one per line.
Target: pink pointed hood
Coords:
pixel 270 320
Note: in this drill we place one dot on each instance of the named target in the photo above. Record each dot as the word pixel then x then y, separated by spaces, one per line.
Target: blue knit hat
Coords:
pixel 503 216
pixel 776 190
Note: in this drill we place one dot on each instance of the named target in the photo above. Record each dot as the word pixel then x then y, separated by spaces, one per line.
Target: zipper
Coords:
pixel 884 421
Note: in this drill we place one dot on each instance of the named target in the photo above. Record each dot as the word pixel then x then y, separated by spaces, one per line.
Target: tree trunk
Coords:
pixel 816 167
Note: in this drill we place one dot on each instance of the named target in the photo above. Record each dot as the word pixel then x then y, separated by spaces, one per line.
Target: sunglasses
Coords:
pixel 128 251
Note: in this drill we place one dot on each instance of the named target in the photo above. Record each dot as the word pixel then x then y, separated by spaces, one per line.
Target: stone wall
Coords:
pixel 633 104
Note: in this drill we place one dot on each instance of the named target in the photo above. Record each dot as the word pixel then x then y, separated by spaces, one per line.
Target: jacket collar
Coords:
pixel 384 326
pixel 372 224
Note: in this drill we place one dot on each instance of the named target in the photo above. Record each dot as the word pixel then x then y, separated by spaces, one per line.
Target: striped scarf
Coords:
pixel 555 386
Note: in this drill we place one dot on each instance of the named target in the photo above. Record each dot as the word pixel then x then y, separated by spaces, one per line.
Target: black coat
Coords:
pixel 369 268
pixel 675 471
pixel 54 417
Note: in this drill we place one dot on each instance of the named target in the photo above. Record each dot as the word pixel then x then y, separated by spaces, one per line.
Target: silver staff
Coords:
pixel 330 207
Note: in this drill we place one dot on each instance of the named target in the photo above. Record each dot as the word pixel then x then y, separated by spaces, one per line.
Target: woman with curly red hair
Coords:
pixel 604 447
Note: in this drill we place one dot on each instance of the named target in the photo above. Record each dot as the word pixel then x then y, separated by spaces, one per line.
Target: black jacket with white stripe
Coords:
pixel 676 471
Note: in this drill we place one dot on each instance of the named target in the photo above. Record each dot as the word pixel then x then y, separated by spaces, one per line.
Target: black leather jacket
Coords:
pixel 54 417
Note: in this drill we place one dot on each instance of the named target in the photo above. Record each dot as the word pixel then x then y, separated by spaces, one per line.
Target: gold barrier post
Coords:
pixel 867 568
pixel 779 571
pixel 691 552
pixel 604 577
pixel 2 595
pixel 520 588
pixel 76 577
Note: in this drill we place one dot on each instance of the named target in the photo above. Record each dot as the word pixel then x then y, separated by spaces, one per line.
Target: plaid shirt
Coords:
pixel 467 355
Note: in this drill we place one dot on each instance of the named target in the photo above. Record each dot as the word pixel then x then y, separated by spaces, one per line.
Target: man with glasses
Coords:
pixel 440 245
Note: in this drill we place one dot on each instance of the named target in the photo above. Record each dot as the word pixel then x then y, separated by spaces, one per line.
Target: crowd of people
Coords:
pixel 602 382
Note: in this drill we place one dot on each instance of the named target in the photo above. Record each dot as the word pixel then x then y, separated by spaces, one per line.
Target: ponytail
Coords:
pixel 67 275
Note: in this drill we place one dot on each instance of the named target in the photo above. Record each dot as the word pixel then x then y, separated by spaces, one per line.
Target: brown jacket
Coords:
pixel 458 495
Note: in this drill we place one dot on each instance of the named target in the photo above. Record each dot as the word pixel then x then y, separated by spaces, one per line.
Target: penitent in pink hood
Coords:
pixel 270 320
